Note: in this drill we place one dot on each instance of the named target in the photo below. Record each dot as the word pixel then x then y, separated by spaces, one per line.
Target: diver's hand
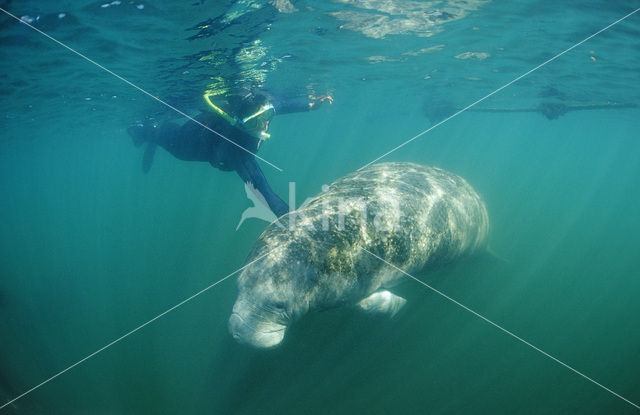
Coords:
pixel 318 101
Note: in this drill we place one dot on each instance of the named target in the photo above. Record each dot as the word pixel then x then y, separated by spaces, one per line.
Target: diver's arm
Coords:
pixel 249 171
pixel 283 106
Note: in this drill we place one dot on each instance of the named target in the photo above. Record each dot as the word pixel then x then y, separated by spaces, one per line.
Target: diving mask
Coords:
pixel 255 124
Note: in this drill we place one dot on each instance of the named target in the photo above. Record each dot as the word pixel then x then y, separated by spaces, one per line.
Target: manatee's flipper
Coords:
pixel 147 159
pixel 382 302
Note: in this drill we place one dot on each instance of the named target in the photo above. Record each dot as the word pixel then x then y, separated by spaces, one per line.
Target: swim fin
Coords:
pixel 147 159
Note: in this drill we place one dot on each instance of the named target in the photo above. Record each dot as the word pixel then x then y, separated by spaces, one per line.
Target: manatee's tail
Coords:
pixel 147 159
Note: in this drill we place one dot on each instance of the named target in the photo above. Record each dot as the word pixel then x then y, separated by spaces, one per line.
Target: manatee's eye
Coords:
pixel 279 305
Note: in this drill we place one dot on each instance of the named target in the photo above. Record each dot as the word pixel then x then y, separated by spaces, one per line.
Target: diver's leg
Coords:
pixel 149 132
pixel 142 132
pixel 249 171
pixel 147 159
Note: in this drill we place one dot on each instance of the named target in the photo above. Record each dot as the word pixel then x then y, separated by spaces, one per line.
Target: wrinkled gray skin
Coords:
pixel 416 218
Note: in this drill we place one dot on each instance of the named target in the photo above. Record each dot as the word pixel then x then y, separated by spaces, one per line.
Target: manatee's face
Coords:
pixel 259 324
pixel 268 301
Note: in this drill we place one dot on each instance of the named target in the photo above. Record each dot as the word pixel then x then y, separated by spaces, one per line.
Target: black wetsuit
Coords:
pixel 192 142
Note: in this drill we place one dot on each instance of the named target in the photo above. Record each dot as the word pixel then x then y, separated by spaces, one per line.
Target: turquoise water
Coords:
pixel 92 248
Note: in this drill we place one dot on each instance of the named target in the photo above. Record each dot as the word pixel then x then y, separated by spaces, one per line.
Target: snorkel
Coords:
pixel 231 120
pixel 252 123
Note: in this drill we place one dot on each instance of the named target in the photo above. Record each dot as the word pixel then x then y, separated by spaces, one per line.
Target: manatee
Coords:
pixel 413 216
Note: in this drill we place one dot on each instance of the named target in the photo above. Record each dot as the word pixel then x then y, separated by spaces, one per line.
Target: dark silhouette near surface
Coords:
pixel 552 110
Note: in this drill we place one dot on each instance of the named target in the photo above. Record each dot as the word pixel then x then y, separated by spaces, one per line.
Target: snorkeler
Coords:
pixel 242 119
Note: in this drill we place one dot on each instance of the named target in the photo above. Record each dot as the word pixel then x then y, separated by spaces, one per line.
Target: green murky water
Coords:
pixel 91 248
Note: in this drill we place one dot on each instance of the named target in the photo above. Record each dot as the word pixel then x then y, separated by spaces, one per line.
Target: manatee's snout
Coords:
pixel 254 331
